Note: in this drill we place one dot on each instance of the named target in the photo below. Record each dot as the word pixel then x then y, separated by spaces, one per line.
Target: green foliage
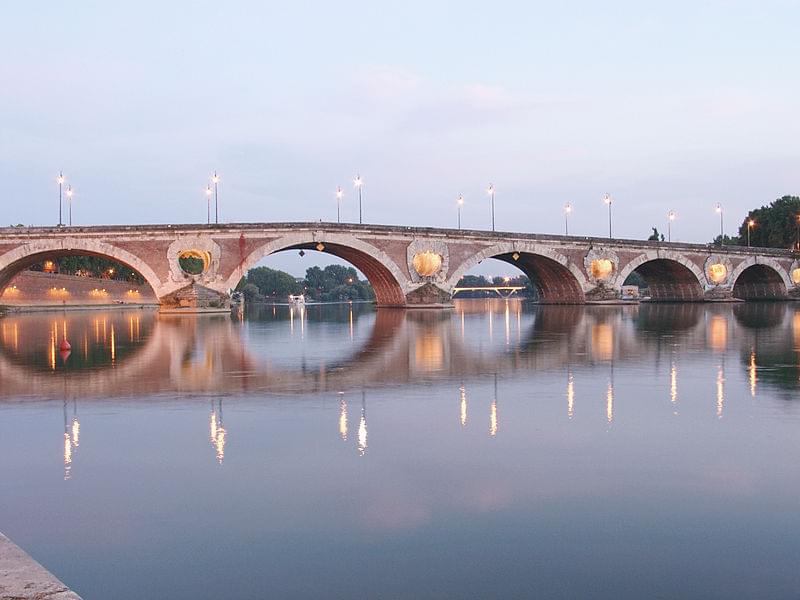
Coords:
pixel 191 264
pixel 271 283
pixel 469 281
pixel 251 293
pixel 726 240
pixel 94 266
pixel 336 283
pixel 775 226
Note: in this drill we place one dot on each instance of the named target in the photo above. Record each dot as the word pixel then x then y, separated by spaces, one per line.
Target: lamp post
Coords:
pixel 60 180
pixel 69 201
pixel 339 194
pixel 607 200
pixel 460 203
pixel 750 223
pixel 567 211
pixel 797 231
pixel 215 181
pixel 490 191
pixel 359 183
pixel 208 203
pixel 721 229
pixel 670 219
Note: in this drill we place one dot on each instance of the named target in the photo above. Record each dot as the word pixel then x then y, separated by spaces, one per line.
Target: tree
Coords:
pixel 774 226
pixel 251 293
pixel 725 240
pixel 273 283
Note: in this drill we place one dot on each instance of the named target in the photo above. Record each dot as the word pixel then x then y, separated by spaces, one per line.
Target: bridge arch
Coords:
pixel 670 276
pixel 16 260
pixel 760 278
pixel 556 278
pixel 386 278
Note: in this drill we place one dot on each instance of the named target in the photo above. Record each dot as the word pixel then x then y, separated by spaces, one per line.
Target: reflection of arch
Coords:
pixel 383 274
pixel 759 315
pixel 16 260
pixel 661 318
pixel 760 279
pixel 557 280
pixel 670 276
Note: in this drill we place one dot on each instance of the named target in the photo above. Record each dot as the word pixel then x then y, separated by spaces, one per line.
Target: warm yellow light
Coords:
pixel 320 246
pixel 717 273
pixel 358 182
pixel 671 215
pixel 427 263
pixel 70 192
pixel 493 419
pixel 568 208
pixel 796 276
pixel 343 419
pixel 362 434
pixel 602 268
pixel 60 179
pixel 515 256
pixel 463 406
pixel 750 223
pixel 460 200
pixel 215 178
pixel 208 190
pixel 607 198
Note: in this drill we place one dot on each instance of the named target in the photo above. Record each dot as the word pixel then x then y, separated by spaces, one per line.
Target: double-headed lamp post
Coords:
pixel 60 180
pixel 359 183
pixel 721 228
pixel 460 203
pixel 69 202
pixel 750 224
pixel 670 219
pixel 567 211
pixel 208 203
pixel 607 200
pixel 339 194
pixel 215 181
pixel 490 191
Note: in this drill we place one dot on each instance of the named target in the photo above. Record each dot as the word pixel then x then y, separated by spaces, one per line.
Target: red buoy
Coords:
pixel 65 345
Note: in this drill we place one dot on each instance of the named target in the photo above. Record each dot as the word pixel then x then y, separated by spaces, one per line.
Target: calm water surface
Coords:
pixel 498 450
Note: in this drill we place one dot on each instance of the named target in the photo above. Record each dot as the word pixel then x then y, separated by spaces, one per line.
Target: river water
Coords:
pixel 497 450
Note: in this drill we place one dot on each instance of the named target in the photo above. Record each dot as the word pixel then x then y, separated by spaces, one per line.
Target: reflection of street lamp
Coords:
pixel 721 234
pixel 460 203
pixel 670 219
pixel 359 183
pixel 750 223
pixel 60 180
pixel 491 193
pixel 69 201
pixel 607 200
pixel 215 181
pixel 567 211
pixel 208 202
pixel 339 194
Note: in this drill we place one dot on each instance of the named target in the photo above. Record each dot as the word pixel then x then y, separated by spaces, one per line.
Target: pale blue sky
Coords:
pixel 667 106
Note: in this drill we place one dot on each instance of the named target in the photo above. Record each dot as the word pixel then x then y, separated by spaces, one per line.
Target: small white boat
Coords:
pixel 298 300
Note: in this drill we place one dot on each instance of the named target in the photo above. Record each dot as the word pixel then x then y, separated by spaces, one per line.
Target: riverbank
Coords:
pixel 22 578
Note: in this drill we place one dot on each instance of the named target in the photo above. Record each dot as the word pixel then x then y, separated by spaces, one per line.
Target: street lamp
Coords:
pixel 490 191
pixel 60 180
pixel 721 230
pixel 460 203
pixel 339 194
pixel 750 224
pixel 670 219
pixel 215 181
pixel 208 202
pixel 567 211
pixel 359 183
pixel 607 200
pixel 69 201
pixel 797 231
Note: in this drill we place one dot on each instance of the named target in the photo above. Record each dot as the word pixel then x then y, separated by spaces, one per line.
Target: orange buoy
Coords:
pixel 65 345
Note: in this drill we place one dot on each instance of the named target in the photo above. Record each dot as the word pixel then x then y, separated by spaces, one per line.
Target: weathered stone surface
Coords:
pixel 22 578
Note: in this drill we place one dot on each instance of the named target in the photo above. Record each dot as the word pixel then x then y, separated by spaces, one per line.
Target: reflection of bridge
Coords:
pixel 410 266
pixel 504 291
pixel 150 355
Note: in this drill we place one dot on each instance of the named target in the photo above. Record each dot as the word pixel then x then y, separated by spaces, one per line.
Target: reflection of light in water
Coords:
pixel 673 383
pixel 493 418
pixel 220 444
pixel 610 402
pixel 113 345
pixel 570 396
pixel 351 322
pixel 213 426
pixel 462 323
pixel 67 456
pixel 796 329
pixel 719 332
pixel 16 338
pixel 52 352
pixel 76 432
pixel 508 324
pixel 463 406
pixel 362 433
pixel 602 341
pixel 302 321
pixel 343 419
pixel 752 371
pixel 720 390
pixel 429 351
pixel 491 323
pixel 291 320
pixel 519 321
pixel 217 431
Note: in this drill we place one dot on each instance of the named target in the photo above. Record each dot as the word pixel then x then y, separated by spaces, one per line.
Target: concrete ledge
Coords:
pixel 22 578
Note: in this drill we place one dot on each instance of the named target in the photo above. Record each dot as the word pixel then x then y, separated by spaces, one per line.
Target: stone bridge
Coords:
pixel 414 266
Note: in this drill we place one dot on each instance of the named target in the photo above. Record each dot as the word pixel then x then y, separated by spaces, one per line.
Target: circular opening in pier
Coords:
pixel 194 262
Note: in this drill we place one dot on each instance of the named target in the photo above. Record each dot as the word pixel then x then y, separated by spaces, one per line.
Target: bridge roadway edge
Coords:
pixel 23 578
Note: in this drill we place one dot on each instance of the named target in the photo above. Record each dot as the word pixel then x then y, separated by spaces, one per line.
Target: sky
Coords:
pixel 666 106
